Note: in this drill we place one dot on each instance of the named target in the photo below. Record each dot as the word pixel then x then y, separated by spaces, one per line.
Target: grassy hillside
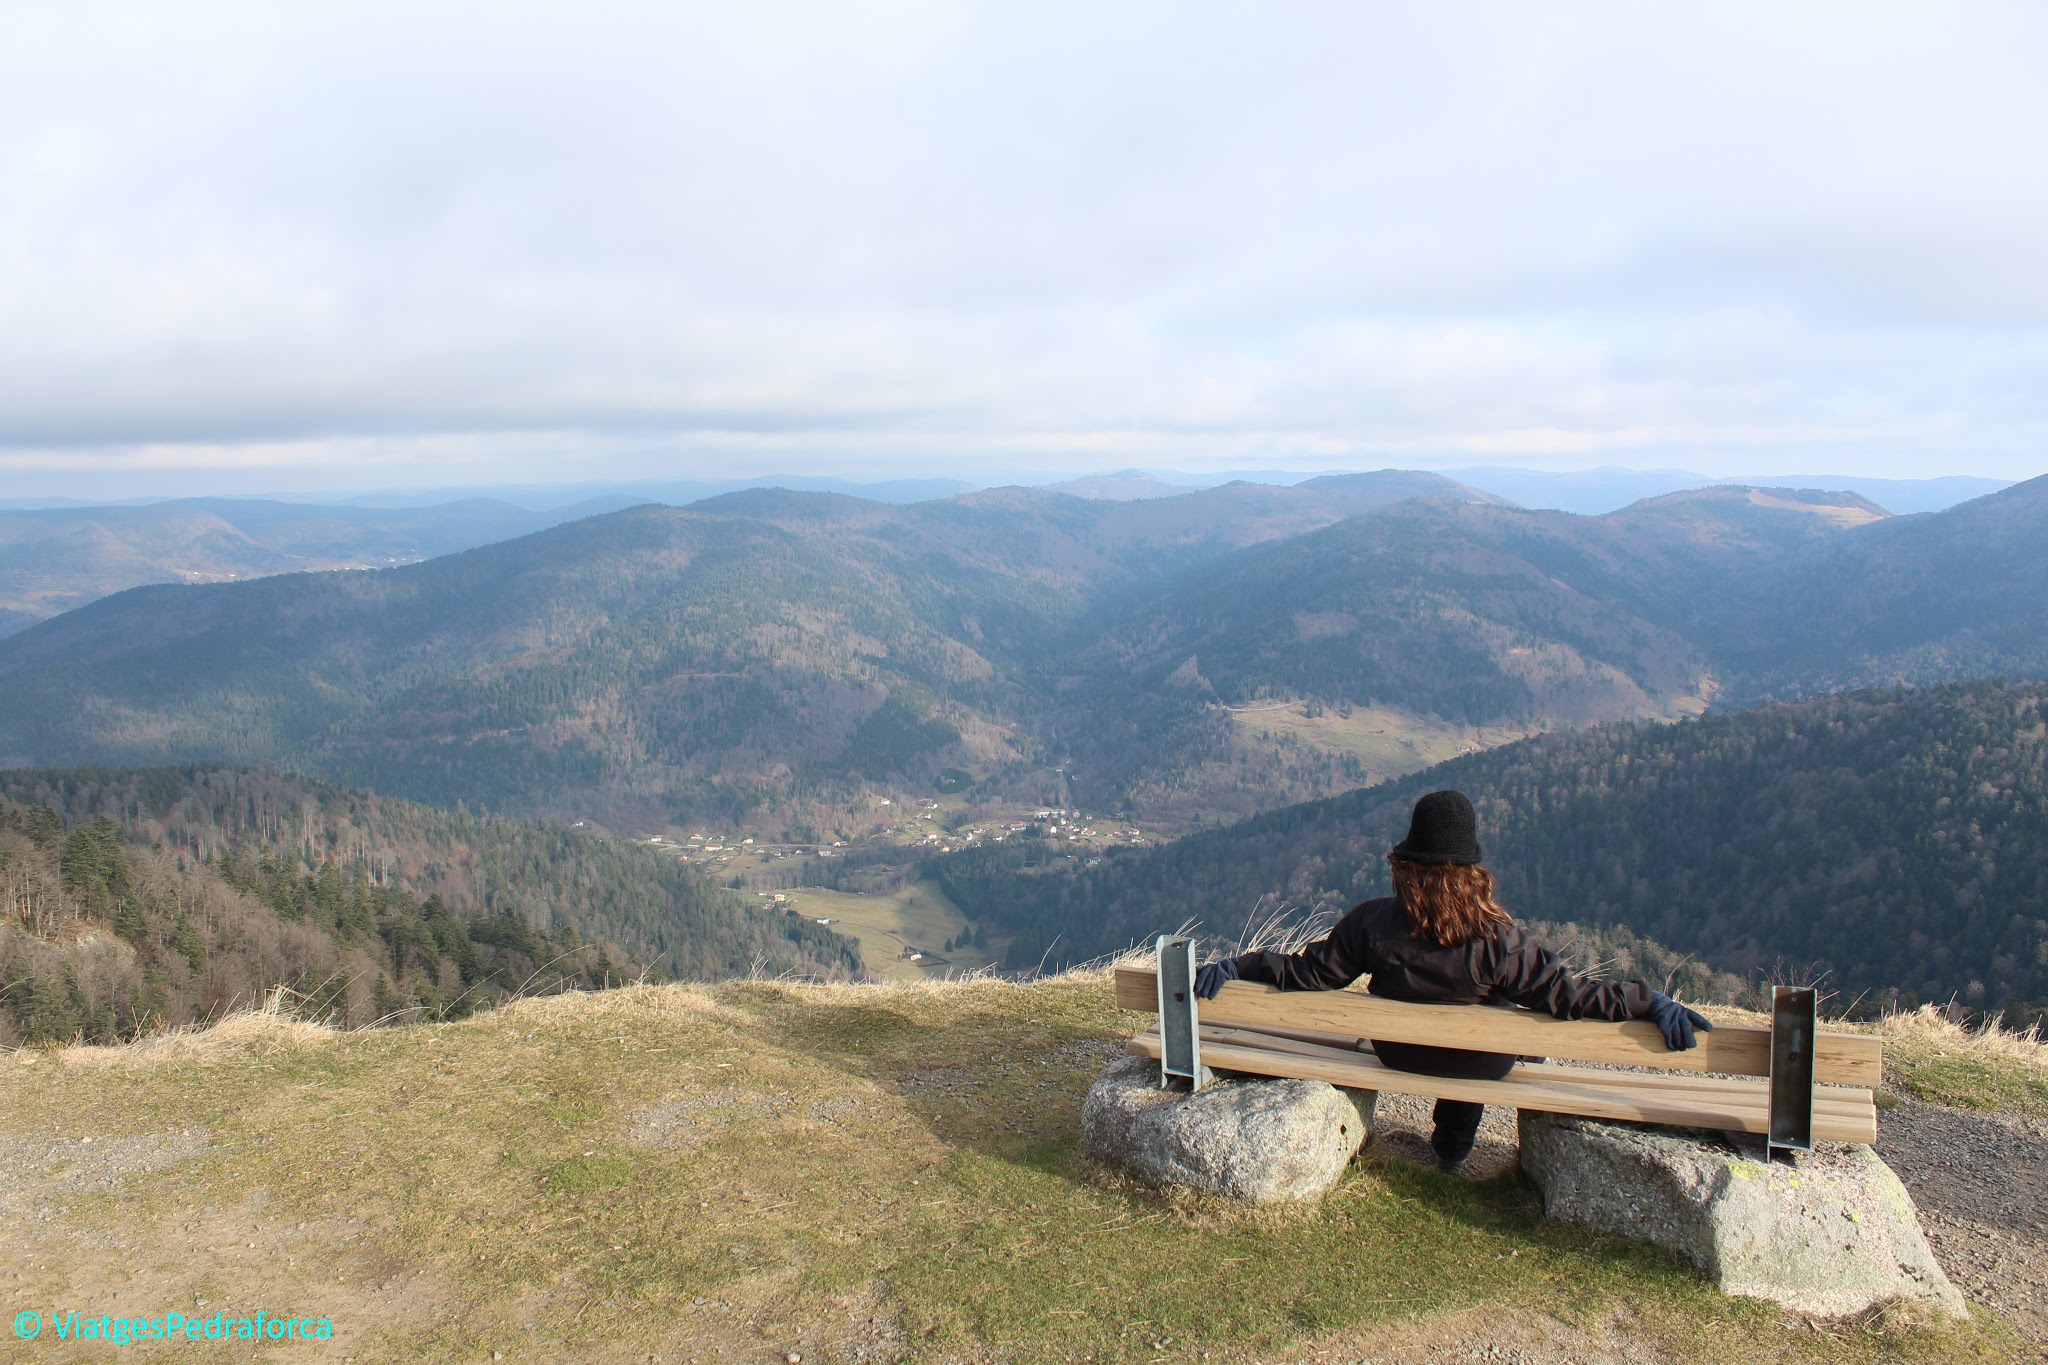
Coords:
pixel 144 898
pixel 1896 842
pixel 756 1170
pixel 892 926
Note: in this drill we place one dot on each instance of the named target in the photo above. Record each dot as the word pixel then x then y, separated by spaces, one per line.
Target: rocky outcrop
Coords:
pixel 1832 1232
pixel 1262 1141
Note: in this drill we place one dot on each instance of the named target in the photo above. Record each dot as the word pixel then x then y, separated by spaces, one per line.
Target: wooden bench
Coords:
pixel 1321 1036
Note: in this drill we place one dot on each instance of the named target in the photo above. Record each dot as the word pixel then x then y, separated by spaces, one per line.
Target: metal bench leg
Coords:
pixel 1794 1022
pixel 1180 1056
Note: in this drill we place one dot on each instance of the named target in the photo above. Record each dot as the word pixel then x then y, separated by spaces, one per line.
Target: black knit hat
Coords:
pixel 1443 829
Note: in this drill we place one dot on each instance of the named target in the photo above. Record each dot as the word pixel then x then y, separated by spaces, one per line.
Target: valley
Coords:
pixel 1028 724
pixel 906 934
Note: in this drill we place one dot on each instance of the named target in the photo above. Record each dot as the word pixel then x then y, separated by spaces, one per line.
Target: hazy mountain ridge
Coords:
pixel 727 659
pixel 662 657
pixel 1920 599
pixel 55 559
pixel 1595 492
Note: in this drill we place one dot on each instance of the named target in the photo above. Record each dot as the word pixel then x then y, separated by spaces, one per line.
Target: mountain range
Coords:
pixel 1594 491
pixel 779 656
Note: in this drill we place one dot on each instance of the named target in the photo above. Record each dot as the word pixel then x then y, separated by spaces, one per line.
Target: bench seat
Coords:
pixel 1320 1035
pixel 1840 1113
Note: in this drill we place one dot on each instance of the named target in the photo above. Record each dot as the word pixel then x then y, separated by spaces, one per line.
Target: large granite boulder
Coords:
pixel 1829 1233
pixel 1259 1140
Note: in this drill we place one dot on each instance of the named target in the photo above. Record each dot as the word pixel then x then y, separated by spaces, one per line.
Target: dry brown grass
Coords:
pixel 269 1027
pixel 1985 1067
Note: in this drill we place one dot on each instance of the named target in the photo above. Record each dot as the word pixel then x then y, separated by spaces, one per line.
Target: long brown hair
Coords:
pixel 1451 903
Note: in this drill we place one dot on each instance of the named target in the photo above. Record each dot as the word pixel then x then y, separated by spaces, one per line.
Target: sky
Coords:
pixel 262 246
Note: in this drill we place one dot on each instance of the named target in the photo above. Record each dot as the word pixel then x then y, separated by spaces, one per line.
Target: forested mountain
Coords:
pixel 1959 594
pixel 1429 615
pixel 742 655
pixel 168 894
pixel 54 559
pixel 776 657
pixel 1895 840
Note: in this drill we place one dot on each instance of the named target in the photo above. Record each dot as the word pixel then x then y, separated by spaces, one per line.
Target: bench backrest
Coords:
pixel 1732 1049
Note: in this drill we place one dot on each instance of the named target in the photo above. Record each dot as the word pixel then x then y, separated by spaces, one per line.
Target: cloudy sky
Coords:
pixel 306 245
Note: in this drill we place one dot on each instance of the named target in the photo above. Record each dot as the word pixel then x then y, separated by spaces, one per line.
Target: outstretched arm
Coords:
pixel 1530 974
pixel 1330 963
pixel 1524 971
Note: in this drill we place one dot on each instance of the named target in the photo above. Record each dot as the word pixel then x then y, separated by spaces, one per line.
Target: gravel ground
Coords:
pixel 41 1175
pixel 1401 1127
pixel 1980 1181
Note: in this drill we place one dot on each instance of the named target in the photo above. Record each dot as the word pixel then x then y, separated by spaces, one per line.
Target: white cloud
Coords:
pixel 283 238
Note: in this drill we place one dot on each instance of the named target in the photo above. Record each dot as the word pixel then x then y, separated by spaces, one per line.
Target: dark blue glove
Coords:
pixel 1676 1022
pixel 1210 979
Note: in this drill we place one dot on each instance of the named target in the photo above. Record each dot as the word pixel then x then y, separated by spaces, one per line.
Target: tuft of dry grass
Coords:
pixel 271 1026
pixel 1985 1067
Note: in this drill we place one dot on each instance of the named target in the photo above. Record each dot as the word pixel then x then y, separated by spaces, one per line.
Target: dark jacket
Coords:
pixel 1377 939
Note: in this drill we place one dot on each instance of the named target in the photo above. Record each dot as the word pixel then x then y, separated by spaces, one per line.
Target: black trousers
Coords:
pixel 1457 1121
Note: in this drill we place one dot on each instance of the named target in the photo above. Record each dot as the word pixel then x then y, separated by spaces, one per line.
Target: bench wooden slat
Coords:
pixel 1843 1101
pixel 1634 1104
pixel 1838 1095
pixel 1848 1097
pixel 1732 1049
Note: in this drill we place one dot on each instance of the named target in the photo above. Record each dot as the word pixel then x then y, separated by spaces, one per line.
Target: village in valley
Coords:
pixel 867 887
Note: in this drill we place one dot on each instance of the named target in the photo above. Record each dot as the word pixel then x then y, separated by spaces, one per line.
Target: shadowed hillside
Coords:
pixel 146 898
pixel 1935 598
pixel 1896 840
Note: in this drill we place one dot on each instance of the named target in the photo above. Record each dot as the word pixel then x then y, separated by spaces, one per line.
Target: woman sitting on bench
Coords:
pixel 1442 938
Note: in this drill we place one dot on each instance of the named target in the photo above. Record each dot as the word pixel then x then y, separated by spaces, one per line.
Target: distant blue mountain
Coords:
pixel 1595 492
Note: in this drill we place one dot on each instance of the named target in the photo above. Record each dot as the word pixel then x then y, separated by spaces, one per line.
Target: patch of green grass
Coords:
pixel 579 1174
pixel 1933 1057
pixel 1968 1083
pixel 1389 741
pixel 915 916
